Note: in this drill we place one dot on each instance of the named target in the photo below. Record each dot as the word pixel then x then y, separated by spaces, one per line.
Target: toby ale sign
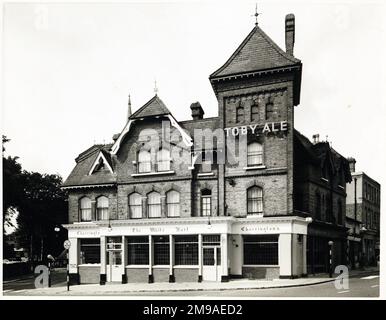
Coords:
pixel 268 127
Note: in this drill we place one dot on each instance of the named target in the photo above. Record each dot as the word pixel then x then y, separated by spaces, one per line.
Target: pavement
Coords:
pixel 59 286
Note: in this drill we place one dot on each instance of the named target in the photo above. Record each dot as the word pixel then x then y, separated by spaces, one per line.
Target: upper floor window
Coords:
pixel 173 203
pixel 163 160
pixel 255 200
pixel 144 161
pixel 102 208
pixel 254 112
pixel 154 205
pixel 206 202
pixel 340 212
pixel 318 206
pixel 85 209
pixel 255 154
pixel 135 206
pixel 239 114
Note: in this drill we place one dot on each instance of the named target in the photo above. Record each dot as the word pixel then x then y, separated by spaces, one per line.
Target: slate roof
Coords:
pixel 79 175
pixel 257 52
pixel 321 152
pixel 154 107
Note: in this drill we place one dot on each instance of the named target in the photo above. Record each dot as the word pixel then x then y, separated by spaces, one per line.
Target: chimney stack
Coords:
pixel 315 138
pixel 129 108
pixel 197 111
pixel 289 33
pixel 351 162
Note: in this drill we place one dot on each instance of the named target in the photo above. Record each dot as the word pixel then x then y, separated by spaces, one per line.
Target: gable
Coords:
pixel 154 107
pixel 256 52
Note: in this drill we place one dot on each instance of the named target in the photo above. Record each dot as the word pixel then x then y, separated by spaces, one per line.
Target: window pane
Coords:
pixel 138 250
pixel 85 209
pixel 255 154
pixel 161 250
pixel 255 200
pixel 135 206
pixel 144 161
pixel 261 250
pixel 154 205
pixel 103 208
pixel 186 250
pixel 90 251
pixel 173 203
pixel 163 160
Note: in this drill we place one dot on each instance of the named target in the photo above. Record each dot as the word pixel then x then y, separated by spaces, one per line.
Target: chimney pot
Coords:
pixel 315 138
pixel 289 33
pixel 351 163
pixel 197 111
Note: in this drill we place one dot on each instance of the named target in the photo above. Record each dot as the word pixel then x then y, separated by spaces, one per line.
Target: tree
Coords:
pixel 41 206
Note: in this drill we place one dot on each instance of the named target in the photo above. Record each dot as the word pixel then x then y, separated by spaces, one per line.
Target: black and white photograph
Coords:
pixel 186 150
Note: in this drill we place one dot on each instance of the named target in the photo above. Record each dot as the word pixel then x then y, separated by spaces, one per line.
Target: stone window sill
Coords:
pixel 152 173
pixel 205 174
pixel 255 167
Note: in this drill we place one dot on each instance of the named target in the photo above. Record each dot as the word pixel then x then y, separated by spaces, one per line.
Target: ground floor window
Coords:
pixel 261 250
pixel 186 250
pixel 161 247
pixel 138 250
pixel 90 251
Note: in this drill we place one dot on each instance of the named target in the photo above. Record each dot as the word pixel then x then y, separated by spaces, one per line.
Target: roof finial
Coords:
pixel 155 87
pixel 129 108
pixel 256 15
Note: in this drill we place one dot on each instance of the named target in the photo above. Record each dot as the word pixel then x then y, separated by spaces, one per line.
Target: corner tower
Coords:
pixel 260 85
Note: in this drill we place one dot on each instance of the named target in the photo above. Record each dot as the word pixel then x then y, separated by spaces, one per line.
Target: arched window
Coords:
pixel 85 209
pixel 135 206
pixel 173 203
pixel 163 160
pixel 255 200
pixel 206 202
pixel 254 112
pixel 255 154
pixel 154 205
pixel 144 161
pixel 103 208
pixel 239 114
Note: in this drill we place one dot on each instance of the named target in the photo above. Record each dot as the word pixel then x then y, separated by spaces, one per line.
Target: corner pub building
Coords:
pixel 140 213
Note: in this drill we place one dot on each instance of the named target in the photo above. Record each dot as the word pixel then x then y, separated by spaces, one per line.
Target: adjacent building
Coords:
pixel 363 218
pixel 240 195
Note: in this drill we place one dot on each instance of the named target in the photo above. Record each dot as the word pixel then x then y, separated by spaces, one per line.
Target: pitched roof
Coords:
pixel 256 52
pixel 79 176
pixel 154 107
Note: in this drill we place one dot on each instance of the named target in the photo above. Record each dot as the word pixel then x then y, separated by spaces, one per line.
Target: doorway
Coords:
pixel 114 266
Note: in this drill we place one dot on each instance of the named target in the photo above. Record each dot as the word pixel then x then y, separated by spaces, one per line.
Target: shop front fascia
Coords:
pixel 219 241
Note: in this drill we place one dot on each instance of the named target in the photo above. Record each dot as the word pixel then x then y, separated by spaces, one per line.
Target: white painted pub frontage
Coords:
pixel 191 249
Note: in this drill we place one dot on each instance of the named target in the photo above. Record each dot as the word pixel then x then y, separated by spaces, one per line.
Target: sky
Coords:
pixel 67 70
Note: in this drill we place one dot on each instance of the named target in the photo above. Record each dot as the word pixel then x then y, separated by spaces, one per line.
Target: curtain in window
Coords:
pixel 103 208
pixel 85 209
pixel 163 160
pixel 135 206
pixel 255 154
pixel 173 203
pixel 144 161
pixel 255 200
pixel 154 205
